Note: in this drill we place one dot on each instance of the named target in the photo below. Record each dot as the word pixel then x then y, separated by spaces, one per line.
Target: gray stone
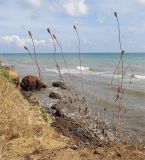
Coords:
pixel 54 95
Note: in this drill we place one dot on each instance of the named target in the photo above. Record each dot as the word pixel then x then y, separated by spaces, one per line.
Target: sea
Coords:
pixel 97 72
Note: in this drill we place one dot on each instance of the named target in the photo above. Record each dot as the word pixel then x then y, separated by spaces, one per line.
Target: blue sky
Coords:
pixel 94 19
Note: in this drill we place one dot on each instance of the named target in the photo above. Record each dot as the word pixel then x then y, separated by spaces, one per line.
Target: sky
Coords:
pixel 94 20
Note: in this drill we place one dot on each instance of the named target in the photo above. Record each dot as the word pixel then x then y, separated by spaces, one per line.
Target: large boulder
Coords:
pixel 31 83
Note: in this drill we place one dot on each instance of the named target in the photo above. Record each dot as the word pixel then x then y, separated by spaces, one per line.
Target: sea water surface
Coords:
pixel 97 70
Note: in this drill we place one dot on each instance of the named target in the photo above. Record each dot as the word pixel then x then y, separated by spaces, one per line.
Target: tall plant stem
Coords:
pixel 36 61
pixel 57 66
pixel 65 62
pixel 80 60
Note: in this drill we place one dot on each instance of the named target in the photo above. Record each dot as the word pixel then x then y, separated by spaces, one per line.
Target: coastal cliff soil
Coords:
pixel 26 133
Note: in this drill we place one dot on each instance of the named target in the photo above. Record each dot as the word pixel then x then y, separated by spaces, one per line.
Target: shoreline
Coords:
pixel 66 146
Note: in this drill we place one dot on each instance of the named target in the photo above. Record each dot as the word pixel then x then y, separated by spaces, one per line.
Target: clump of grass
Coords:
pixel 45 115
pixel 4 74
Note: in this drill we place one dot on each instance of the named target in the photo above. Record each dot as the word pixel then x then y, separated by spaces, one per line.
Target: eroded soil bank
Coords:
pixel 26 133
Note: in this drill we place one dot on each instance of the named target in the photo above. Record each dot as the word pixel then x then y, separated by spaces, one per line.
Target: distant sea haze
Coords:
pixel 98 66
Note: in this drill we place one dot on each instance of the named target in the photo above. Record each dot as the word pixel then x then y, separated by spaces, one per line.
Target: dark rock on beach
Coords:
pixel 61 85
pixel 31 83
pixel 54 95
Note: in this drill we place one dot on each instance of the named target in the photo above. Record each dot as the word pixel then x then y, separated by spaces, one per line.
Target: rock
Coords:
pixel 57 84
pixel 54 95
pixel 74 147
pixel 56 111
pixel 31 83
pixel 110 136
pixel 61 85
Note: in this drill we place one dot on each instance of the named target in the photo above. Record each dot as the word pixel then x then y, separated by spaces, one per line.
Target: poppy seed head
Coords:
pixel 25 48
pixel 48 30
pixel 115 13
pixel 74 27
pixel 30 34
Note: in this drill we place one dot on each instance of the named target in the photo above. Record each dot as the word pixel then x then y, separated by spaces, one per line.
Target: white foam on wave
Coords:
pixel 76 70
pixel 83 68
pixel 140 77
pixel 88 71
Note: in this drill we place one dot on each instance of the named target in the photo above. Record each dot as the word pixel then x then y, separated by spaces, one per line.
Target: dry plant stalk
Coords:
pixel 97 100
pixel 35 61
pixel 80 58
pixel 86 108
pixel 57 66
pixel 65 62
pixel 132 73
pixel 3 92
pixel 119 96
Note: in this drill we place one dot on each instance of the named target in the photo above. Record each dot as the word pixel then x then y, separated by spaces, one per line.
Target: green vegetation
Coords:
pixel 3 73
pixel 45 115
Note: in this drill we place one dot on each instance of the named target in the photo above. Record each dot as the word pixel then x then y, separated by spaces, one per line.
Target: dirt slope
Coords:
pixel 25 135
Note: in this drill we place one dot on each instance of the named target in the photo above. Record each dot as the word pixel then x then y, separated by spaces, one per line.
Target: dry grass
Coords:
pixel 22 127
pixel 25 135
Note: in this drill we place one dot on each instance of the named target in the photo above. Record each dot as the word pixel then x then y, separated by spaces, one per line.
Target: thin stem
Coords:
pixel 80 59
pixel 36 61
pixel 65 62
pixel 97 101
pixel 61 53
pixel 57 66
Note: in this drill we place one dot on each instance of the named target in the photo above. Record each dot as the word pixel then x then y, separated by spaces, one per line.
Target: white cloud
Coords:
pixel 75 7
pixel 21 42
pixel 141 1
pixel 33 3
